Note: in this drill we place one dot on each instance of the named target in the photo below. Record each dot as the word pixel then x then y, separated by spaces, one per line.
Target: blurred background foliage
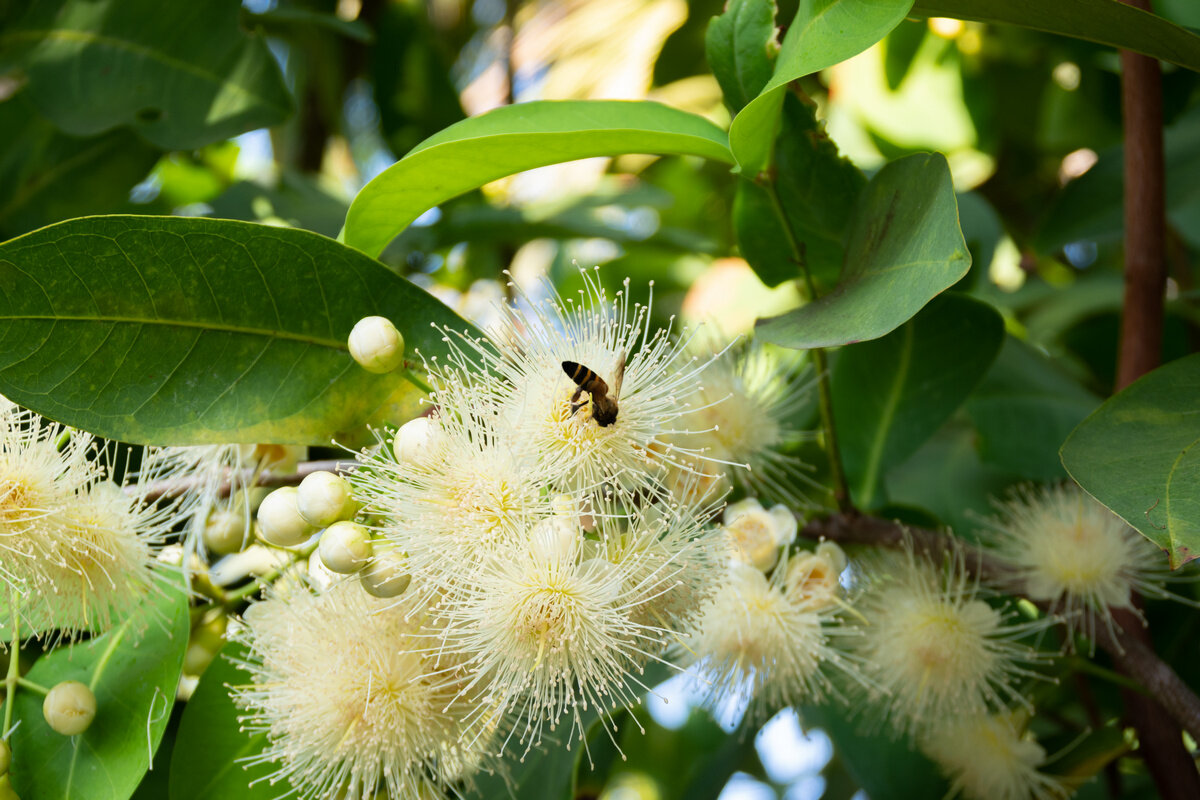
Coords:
pixel 1030 123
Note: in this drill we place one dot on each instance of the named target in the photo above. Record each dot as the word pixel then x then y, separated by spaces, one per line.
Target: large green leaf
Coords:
pixel 822 33
pixel 133 670
pixel 1024 409
pixel 181 74
pixel 1108 22
pixel 183 330
pixel 1136 454
pixel 210 740
pixel 903 247
pixel 514 138
pixel 892 394
pixel 740 46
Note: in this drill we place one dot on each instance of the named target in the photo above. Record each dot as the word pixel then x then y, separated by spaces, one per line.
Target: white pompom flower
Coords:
pixel 753 643
pixel 991 757
pixel 934 646
pixel 348 702
pixel 556 365
pixel 555 624
pixel 1074 554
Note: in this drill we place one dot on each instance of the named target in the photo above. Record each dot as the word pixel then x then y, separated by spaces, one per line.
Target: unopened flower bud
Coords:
pixel 345 547
pixel 415 439
pixel 386 575
pixel 279 520
pixel 225 532
pixel 5 757
pixel 322 498
pixel 785 525
pixel 753 537
pixel 6 790
pixel 376 344
pixel 69 708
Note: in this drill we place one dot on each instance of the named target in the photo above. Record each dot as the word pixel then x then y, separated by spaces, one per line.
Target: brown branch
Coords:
pixel 1133 657
pixel 1145 216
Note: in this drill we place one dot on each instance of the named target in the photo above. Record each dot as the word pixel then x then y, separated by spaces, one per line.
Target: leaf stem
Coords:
pixel 417 382
pixel 231 599
pixel 841 490
pixel 33 687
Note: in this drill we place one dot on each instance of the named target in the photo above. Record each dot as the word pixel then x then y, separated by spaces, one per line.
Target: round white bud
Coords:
pixel 322 498
pixel 386 575
pixel 5 757
pixel 414 439
pixel 279 520
pixel 376 344
pixel 752 533
pixel 69 708
pixel 225 532
pixel 345 547
pixel 785 525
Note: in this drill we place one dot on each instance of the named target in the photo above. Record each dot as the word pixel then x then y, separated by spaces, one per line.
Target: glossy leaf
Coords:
pixel 1024 410
pixel 822 33
pixel 181 74
pixel 133 670
pixel 741 48
pixel 903 247
pixel 173 330
pixel 1137 455
pixel 1109 22
pixel 891 395
pixel 514 138
pixel 211 740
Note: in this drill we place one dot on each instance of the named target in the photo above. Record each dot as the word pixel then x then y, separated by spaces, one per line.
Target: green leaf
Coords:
pixel 1024 410
pixel 173 330
pixel 134 676
pixel 514 138
pixel 1136 454
pixel 822 33
pixel 890 395
pixel 47 176
pixel 181 74
pixel 885 768
pixel 211 740
pixel 903 247
pixel 1107 22
pixel 740 45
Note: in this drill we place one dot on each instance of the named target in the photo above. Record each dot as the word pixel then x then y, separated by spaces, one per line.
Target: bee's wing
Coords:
pixel 619 376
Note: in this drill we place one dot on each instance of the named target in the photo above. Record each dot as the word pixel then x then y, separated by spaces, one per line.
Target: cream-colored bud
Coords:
pixel 753 537
pixel 225 532
pixel 322 498
pixel 811 581
pixel 69 708
pixel 785 525
pixel 279 520
pixel 345 547
pixel 376 344
pixel 834 554
pixel 386 575
pixel 555 539
pixel 415 439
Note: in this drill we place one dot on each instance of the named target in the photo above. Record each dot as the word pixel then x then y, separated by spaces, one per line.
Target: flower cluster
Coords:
pixel 76 549
pixel 553 519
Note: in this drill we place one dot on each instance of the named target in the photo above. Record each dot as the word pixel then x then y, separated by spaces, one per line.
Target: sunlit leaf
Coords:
pixel 173 330
pixel 514 138
pixel 822 33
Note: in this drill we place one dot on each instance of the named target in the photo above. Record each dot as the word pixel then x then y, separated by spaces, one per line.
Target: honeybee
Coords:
pixel 604 408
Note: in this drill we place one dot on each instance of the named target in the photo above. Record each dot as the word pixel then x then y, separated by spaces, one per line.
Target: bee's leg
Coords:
pixel 575 405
